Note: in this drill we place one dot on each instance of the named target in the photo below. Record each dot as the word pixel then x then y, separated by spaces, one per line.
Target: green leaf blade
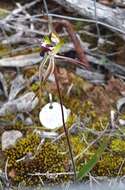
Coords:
pixel 91 163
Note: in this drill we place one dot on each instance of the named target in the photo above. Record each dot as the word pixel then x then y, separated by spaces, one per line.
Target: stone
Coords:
pixel 9 138
pixel 28 121
pixel 23 104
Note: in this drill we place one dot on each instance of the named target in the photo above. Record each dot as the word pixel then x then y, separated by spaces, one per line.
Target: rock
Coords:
pixel 18 84
pixel 9 138
pixel 25 103
pixel 28 121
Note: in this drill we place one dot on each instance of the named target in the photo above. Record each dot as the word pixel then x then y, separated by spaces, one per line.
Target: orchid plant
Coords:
pixel 49 48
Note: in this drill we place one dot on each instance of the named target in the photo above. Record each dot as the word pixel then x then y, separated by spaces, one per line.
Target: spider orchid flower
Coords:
pixel 49 47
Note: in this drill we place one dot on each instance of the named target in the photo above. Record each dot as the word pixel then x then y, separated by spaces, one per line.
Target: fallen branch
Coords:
pixel 107 15
pixel 21 60
pixel 34 58
pixel 19 9
pixel 78 48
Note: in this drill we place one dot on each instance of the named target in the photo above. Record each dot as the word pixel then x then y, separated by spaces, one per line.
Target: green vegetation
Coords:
pixel 29 157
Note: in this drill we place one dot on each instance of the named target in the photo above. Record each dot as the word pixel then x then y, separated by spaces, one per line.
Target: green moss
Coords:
pixel 35 86
pixel 30 71
pixel 100 123
pixel 71 120
pixel 77 144
pixel 25 158
pixel 118 145
pixel 87 111
pixel 78 107
pixel 23 146
pixel 110 165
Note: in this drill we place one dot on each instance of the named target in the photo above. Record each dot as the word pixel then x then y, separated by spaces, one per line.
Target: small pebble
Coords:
pixel 28 121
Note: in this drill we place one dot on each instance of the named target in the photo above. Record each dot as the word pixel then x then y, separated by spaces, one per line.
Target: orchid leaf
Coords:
pixel 85 169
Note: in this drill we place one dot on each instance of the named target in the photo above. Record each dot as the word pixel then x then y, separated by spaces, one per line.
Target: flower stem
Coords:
pixel 64 126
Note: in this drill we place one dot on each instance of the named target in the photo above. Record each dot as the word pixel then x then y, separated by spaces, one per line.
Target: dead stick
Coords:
pixel 74 38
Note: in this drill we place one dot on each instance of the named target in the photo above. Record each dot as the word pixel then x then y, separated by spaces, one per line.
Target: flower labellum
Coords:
pixel 51 43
